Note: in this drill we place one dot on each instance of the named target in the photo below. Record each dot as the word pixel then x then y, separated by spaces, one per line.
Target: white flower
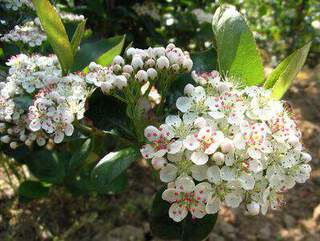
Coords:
pixel 162 63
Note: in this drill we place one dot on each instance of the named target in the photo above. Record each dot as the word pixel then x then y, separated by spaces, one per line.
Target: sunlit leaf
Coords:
pixel 237 52
pixel 284 74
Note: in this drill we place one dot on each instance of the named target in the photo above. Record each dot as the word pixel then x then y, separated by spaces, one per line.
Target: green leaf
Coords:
pixel 102 51
pixel 48 166
pixel 188 230
pixel 56 33
pixel 77 36
pixel 33 190
pixel 283 75
pixel 237 52
pixel 81 154
pixel 113 165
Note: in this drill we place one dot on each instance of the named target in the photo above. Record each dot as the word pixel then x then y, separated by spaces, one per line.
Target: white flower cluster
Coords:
pixel 30 33
pixel 202 16
pixel 229 146
pixel 143 65
pixel 37 103
pixel 71 17
pixel 147 9
pixel 16 4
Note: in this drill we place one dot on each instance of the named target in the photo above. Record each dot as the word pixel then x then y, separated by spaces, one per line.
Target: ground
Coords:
pixel 125 217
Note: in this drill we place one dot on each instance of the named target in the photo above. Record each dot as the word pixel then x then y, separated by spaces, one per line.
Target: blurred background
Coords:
pixel 279 28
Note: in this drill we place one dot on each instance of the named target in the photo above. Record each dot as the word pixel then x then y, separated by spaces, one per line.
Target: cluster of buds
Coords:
pixel 141 66
pixel 29 34
pixel 37 103
pixel 240 147
pixel 16 4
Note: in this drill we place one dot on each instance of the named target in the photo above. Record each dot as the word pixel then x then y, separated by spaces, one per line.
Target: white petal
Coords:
pixel 213 205
pixel 35 125
pixel 68 130
pixel 147 151
pixel 198 211
pixel 255 166
pixel 185 184
pixel 173 120
pixel 212 148
pixel 168 173
pixel 158 162
pixel 214 174
pixel 191 143
pixel 184 103
pixel 232 200
pixel 170 195
pixel 199 173
pixel 152 133
pixel 246 181
pixel 175 147
pixel 254 153
pixel 227 173
pixel 199 158
pixel 167 131
pixel 177 213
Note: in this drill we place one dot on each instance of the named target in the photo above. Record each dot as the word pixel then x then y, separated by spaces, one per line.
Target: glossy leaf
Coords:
pixel 81 154
pixel 113 165
pixel 56 33
pixel 102 51
pixel 33 190
pixel 77 37
pixel 237 52
pixel 284 74
pixel 189 229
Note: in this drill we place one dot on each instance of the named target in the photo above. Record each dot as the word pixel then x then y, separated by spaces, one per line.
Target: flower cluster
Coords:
pixel 71 17
pixel 141 66
pixel 229 146
pixel 202 16
pixel 30 34
pixel 16 4
pixel 37 103
pixel 147 9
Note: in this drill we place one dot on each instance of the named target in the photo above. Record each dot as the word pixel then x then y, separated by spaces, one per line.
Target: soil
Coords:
pixel 125 217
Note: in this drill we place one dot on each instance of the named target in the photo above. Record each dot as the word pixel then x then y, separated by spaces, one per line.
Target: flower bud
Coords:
pixel 188 89
pixel 127 69
pixel 120 81
pixel 218 157
pixel 152 73
pixel 5 139
pixel 28 142
pixel 137 62
pixel 2 127
pixel 150 63
pixel 187 64
pixel 23 138
pixel 159 51
pixel 116 68
pixel 306 157
pixel 127 75
pixel 106 87
pixel 93 66
pixel 142 76
pixel 118 60
pixel 163 63
pixel 227 146
pixel 10 131
pixel 13 145
pixel 170 46
pixel 175 68
pixel 253 208
pixel 131 51
pixel 293 140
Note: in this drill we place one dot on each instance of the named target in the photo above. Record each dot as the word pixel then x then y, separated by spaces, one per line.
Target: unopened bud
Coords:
pixel 5 139
pixel 118 60
pixel 137 62
pixel 187 64
pixel 142 76
pixel 127 69
pixel 218 157
pixel 227 146
pixel 163 63
pixel 152 73
pixel 188 89
pixel 253 208
pixel 120 81
pixel 13 145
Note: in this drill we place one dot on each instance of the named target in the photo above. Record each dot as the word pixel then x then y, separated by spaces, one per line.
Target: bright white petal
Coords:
pixel 199 173
pixel 177 212
pixel 214 174
pixel 168 173
pixel 185 184
pixel 199 158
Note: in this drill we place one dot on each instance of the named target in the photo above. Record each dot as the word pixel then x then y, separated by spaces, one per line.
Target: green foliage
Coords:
pixel 114 164
pixel 56 33
pixel 77 37
pixel 102 51
pixel 282 77
pixel 32 190
pixel 236 47
pixel 82 154
pixel 188 230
